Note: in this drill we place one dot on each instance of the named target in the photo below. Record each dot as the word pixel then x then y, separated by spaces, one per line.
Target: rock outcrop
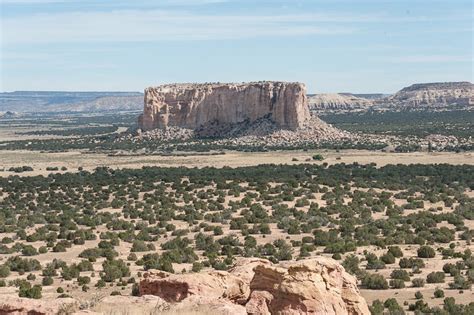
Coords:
pixel 23 306
pixel 433 95
pixel 337 102
pixel 255 286
pixel 196 106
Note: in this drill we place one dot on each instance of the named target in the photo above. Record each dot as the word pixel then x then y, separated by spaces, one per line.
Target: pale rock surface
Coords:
pixel 193 106
pixel 252 286
pixel 209 286
pixel 146 304
pixel 256 286
pixel 335 101
pixel 313 286
pixel 433 95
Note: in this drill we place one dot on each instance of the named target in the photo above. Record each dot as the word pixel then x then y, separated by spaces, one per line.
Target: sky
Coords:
pixel 358 46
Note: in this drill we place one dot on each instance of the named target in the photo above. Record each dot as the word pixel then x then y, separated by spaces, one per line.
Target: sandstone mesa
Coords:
pixel 434 95
pixel 194 106
pixel 334 101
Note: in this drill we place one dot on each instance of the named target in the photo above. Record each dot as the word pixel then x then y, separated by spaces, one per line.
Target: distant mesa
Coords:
pixel 196 106
pixel 61 101
pixel 338 101
pixel 416 96
pixel 9 115
pixel 434 95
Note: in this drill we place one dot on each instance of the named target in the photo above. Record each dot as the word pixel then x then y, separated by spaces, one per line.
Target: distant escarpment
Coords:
pixel 433 95
pixel 334 102
pixel 198 106
pixel 61 101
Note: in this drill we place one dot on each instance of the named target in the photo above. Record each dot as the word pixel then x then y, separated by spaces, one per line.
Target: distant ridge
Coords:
pixel 437 94
pixel 52 101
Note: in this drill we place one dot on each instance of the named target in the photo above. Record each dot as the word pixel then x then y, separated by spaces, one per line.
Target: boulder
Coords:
pixel 314 286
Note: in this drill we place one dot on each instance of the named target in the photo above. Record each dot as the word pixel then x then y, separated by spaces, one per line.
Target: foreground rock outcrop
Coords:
pixel 194 106
pixel 13 305
pixel 252 286
pixel 255 286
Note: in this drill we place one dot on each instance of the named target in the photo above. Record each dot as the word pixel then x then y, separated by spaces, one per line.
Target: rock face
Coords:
pixel 337 102
pixel 255 286
pixel 315 286
pixel 194 106
pixel 433 95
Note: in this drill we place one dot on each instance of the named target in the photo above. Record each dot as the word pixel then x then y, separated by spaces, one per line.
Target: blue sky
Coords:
pixel 331 45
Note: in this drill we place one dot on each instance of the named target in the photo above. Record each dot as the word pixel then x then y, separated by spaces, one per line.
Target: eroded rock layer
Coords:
pixel 195 106
pixel 337 102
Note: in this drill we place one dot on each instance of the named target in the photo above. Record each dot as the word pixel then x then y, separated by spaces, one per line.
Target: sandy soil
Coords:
pixel 72 160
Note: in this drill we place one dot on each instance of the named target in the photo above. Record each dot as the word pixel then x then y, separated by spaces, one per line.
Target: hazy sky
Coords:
pixel 331 45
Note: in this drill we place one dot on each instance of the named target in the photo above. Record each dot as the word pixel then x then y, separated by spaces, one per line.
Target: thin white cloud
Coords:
pixel 159 25
pixel 428 59
pixel 32 1
pixel 137 2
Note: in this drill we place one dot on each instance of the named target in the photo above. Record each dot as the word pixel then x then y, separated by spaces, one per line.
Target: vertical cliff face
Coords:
pixel 198 105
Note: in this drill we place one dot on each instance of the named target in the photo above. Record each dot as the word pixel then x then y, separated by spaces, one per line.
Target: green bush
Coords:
pixel 139 246
pixel 318 157
pixel 435 277
pixel 114 269
pixel 4 271
pixel 438 293
pixel 400 274
pixel 397 284
pixel 197 266
pixel 47 281
pixel 31 292
pixel 426 252
pixel 29 250
pixel 395 251
pixel 418 283
pixel 375 282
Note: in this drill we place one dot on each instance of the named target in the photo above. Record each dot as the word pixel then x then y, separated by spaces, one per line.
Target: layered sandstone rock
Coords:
pixel 313 286
pixel 194 106
pixel 337 102
pixel 210 286
pixel 433 95
pixel 255 286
